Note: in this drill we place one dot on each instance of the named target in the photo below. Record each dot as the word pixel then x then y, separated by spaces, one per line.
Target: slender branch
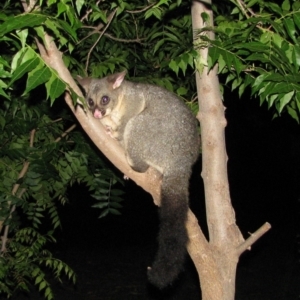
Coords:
pixel 137 40
pixel 14 191
pixel 253 238
pixel 99 38
pixel 244 8
pixel 57 120
pixel 96 30
pixel 16 186
pixel 66 132
pixel 201 254
pixel 25 165
pixel 140 10
pixel 89 12
pixel 4 237
pixel 28 7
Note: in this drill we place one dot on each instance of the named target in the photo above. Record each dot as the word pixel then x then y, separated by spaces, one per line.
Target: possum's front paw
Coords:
pixel 113 134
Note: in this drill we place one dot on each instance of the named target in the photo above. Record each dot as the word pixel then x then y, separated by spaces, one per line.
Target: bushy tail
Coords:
pixel 172 236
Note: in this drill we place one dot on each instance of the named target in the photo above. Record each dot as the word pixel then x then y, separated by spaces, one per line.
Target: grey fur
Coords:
pixel 155 129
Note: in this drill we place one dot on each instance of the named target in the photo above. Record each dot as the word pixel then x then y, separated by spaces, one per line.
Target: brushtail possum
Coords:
pixel 156 129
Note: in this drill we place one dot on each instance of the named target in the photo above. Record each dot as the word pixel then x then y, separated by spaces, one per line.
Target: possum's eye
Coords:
pixel 90 102
pixel 105 100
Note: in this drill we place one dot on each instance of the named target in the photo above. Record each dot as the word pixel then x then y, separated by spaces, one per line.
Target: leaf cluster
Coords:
pixel 257 48
pixel 29 199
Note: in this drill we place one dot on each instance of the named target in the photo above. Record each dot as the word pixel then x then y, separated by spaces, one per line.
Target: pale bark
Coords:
pixel 226 242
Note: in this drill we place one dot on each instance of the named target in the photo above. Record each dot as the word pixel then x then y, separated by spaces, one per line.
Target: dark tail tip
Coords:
pixel 170 257
pixel 160 278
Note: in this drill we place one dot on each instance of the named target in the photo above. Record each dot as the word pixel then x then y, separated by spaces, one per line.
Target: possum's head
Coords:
pixel 102 95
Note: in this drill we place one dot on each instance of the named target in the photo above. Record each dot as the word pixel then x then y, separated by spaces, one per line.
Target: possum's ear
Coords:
pixel 116 79
pixel 84 82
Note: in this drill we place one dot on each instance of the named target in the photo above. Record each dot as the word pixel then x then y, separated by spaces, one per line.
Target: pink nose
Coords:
pixel 97 114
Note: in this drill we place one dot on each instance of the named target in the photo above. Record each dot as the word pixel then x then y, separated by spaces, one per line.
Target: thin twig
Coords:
pixel 244 8
pixel 137 40
pixel 253 238
pixel 65 133
pixel 28 7
pixel 57 120
pixel 89 12
pixel 14 191
pixel 100 36
pixel 141 10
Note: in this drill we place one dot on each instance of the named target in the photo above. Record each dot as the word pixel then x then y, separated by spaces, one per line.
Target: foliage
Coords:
pixel 41 156
pixel 257 47
pixel 42 152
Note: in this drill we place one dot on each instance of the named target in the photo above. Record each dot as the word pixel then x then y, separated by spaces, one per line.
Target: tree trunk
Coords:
pixel 216 262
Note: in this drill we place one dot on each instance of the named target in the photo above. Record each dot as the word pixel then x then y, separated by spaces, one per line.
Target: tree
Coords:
pixel 96 38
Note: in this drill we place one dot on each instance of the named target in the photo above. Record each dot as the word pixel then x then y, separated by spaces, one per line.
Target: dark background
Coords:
pixel 110 255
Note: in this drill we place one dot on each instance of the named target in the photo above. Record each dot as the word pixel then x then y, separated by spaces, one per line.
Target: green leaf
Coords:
pixel 55 87
pixel 42 285
pixel 67 28
pixel 181 91
pixel 214 54
pixel 2 121
pixel 283 88
pixel 26 67
pixel 22 34
pixel 114 211
pixel 221 63
pixel 21 21
pixel 161 2
pixel 285 99
pixel 182 65
pixel 2 93
pixel 259 81
pixel 172 37
pixel 296 57
pixel 37 77
pixel 254 47
pixel 275 7
pixel 296 17
pixel 237 64
pixel 39 278
pixel 266 90
pixel 104 213
pixel 154 11
pixel 286 5
pixel 290 28
pixel 174 66
pixel 293 113
pixel 158 45
pixel 116 205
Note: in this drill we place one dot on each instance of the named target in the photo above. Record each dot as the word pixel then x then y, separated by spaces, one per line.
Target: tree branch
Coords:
pixel 65 133
pixel 201 254
pixel 110 18
pixel 253 238
pixel 28 7
pixel 220 214
pixel 89 12
pixel 13 192
pixel 140 10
